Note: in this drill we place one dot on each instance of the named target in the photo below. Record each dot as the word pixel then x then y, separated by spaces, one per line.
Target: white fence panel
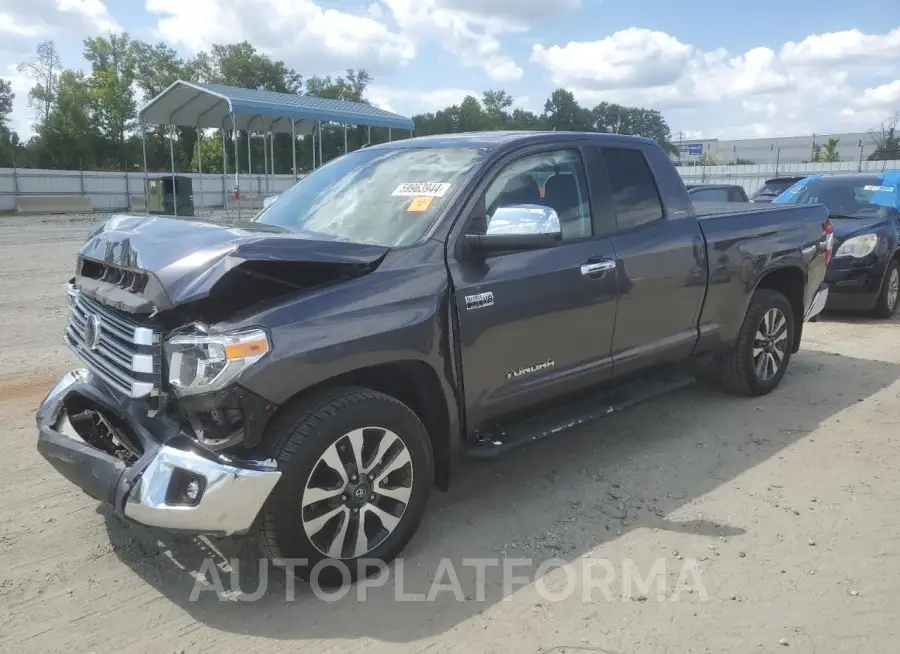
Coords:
pixel 112 191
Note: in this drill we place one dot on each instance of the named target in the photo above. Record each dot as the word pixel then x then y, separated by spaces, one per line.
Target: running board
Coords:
pixel 501 440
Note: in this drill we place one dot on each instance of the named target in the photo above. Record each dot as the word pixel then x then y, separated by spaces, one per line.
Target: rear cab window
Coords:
pixel 636 198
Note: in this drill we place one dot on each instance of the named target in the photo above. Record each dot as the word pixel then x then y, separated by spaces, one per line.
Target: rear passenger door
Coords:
pixel 661 261
pixel 535 325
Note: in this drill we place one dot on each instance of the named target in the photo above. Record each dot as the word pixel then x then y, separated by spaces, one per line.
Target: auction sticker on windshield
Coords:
pixel 887 189
pixel 428 189
pixel 419 204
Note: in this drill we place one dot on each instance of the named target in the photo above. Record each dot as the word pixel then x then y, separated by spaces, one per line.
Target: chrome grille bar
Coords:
pixel 123 352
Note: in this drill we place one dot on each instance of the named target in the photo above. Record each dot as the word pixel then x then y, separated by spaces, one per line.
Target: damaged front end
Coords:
pixel 157 423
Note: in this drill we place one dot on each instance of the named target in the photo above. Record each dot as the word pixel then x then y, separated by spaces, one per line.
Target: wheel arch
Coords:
pixel 789 280
pixel 411 381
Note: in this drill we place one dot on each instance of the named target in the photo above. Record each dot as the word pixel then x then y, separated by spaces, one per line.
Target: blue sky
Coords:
pixel 780 68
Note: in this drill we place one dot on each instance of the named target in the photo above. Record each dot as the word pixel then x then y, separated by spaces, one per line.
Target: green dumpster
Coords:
pixel 163 201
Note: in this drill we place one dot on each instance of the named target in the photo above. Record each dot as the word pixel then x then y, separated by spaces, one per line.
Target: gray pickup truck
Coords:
pixel 308 376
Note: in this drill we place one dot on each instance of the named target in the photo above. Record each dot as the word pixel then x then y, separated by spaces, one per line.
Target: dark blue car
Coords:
pixel 864 274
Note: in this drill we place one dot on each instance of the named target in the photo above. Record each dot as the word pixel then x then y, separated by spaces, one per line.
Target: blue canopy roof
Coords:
pixel 194 104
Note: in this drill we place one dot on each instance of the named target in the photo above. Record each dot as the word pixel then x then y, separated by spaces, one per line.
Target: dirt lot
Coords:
pixel 786 503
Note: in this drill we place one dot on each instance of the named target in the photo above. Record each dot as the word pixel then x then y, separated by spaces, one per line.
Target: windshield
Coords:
pixel 851 196
pixel 772 189
pixel 373 196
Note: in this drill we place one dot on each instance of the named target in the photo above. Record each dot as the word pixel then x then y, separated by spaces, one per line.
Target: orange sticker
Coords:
pixel 420 204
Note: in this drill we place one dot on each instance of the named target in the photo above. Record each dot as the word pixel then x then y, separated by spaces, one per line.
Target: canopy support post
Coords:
pixel 172 159
pixel 272 156
pixel 368 135
pixel 389 134
pixel 146 174
pixel 345 138
pixel 200 166
pixel 224 170
pixel 321 160
pixel 249 156
pixel 266 160
pixel 294 149
pixel 237 179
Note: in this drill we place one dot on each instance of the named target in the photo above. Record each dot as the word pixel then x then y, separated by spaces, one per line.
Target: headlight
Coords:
pixel 201 363
pixel 858 246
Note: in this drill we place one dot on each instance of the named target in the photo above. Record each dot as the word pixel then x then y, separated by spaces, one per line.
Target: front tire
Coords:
pixel 761 356
pixel 886 306
pixel 357 470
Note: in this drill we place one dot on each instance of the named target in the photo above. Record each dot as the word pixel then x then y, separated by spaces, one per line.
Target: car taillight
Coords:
pixel 829 239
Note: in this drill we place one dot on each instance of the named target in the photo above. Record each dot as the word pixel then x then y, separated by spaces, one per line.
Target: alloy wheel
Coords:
pixel 357 493
pixel 770 344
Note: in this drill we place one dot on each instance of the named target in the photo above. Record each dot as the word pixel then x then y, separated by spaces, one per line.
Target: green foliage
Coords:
pixel 89 119
pixel 887 140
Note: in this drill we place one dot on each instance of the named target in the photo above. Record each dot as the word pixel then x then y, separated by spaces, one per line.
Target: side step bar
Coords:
pixel 501 440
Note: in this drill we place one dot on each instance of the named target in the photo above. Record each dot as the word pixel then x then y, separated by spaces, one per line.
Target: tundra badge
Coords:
pixel 479 301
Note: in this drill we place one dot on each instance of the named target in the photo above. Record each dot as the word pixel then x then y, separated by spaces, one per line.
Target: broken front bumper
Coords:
pixel 225 495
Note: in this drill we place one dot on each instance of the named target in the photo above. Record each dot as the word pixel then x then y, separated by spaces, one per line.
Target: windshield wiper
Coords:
pixel 843 215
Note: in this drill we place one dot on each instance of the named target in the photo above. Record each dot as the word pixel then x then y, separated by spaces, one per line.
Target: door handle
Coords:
pixel 595 268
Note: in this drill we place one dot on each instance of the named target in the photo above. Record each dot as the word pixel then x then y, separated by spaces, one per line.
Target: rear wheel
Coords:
pixel 762 353
pixel 886 306
pixel 357 471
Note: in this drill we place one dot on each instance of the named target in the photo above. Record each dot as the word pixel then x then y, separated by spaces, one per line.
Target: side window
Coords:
pixel 737 195
pixel 552 179
pixel 635 196
pixel 710 195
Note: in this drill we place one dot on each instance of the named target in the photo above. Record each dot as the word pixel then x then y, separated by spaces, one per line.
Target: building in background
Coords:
pixel 787 150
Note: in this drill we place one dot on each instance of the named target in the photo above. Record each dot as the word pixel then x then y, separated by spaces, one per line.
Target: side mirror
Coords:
pixel 518 227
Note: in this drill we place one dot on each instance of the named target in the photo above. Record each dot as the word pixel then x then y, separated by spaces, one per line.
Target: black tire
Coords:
pixel 737 370
pixel 886 307
pixel 302 435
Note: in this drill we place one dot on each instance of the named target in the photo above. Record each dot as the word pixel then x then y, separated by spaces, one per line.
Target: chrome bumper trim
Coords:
pixel 231 499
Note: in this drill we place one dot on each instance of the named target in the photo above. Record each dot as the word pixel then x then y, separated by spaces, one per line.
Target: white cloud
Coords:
pixel 408 103
pixel 886 96
pixel 792 88
pixel 23 22
pixel 842 47
pixel 471 38
pixel 504 15
pixel 298 31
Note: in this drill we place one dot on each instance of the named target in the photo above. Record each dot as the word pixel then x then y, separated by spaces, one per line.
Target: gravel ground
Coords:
pixel 778 505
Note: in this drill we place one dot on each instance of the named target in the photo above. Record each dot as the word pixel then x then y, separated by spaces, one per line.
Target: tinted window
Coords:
pixel 634 191
pixel 737 195
pixel 710 195
pixel 553 179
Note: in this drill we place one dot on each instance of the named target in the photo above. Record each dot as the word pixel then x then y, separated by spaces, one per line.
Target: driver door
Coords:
pixel 536 325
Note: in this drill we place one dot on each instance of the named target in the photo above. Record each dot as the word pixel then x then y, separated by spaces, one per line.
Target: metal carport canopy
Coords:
pixel 195 104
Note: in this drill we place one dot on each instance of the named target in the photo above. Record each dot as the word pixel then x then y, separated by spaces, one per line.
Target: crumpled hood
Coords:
pixel 186 258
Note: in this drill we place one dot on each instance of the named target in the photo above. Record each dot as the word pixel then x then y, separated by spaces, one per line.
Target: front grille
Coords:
pixel 131 281
pixel 120 350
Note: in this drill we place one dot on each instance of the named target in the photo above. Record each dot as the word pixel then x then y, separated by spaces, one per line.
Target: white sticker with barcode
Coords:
pixel 422 189
pixel 887 189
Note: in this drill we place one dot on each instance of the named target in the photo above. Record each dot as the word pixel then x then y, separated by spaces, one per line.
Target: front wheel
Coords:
pixel 762 353
pixel 886 306
pixel 357 470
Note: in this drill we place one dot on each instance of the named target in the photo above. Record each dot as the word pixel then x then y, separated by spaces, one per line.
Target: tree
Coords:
pixel 563 113
pixel 113 72
pixel 829 153
pixel 45 69
pixel 68 138
pixel 887 140
pixel 240 65
pixel 636 121
pixel 495 105
pixel 6 99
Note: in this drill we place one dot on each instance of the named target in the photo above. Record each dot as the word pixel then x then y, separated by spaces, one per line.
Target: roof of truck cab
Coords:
pixel 490 140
